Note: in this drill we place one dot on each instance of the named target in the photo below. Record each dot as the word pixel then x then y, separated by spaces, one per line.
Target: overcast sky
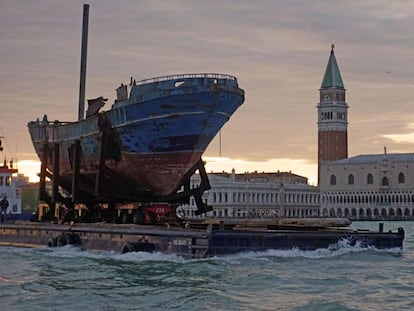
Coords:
pixel 278 50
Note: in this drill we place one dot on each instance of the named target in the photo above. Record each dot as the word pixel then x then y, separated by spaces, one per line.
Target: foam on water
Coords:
pixel 341 248
pixel 69 251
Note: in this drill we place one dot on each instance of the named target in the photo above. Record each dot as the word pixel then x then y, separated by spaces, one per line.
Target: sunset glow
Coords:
pixel 31 168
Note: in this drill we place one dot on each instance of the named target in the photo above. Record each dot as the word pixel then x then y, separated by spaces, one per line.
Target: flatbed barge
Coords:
pixel 185 241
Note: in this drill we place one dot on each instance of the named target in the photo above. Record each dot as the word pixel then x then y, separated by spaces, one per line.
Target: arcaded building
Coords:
pixel 257 195
pixel 378 186
pixel 364 187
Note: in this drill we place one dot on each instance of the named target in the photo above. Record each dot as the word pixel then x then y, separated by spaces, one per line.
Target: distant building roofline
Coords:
pixel 374 158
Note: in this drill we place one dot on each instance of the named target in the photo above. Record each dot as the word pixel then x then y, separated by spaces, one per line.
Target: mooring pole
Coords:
pixel 84 51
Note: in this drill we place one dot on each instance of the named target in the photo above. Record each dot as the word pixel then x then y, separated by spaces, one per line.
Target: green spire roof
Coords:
pixel 332 77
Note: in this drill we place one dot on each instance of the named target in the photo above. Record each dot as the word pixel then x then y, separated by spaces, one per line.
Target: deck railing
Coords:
pixel 187 76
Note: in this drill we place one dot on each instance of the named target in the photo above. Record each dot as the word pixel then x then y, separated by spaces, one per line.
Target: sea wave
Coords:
pixel 343 247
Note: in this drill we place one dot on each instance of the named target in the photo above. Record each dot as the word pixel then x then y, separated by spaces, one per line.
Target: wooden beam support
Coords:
pixel 76 171
pixel 43 167
pixel 101 165
pixel 55 176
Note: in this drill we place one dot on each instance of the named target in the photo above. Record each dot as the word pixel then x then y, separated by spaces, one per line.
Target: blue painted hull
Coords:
pixel 153 137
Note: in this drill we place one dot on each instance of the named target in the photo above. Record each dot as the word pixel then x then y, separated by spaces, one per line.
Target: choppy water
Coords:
pixel 347 278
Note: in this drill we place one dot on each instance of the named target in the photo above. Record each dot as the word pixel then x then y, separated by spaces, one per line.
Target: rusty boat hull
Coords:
pixel 150 139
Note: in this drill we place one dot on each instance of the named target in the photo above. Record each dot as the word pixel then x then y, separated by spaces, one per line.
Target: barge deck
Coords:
pixel 188 242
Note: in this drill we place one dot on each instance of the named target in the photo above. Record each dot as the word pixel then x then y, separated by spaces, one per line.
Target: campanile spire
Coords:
pixel 332 115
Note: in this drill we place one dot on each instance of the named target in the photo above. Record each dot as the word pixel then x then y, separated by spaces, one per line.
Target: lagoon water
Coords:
pixel 343 278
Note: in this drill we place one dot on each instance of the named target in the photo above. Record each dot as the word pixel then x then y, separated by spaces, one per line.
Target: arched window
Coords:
pixel 370 179
pixel 384 181
pixel 401 178
pixel 351 179
pixel 333 180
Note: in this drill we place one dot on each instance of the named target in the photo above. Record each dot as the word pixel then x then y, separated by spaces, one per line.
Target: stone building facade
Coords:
pixel 257 195
pixel 369 187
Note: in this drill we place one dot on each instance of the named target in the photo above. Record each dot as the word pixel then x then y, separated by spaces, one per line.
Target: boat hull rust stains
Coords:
pixel 189 243
pixel 152 138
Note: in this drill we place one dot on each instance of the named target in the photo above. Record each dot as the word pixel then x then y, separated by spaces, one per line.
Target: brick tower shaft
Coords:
pixel 332 116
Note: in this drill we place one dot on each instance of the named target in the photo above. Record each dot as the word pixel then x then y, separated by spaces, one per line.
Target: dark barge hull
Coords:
pixel 188 243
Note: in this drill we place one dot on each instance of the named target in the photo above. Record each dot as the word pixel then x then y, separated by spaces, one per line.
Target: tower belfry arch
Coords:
pixel 332 115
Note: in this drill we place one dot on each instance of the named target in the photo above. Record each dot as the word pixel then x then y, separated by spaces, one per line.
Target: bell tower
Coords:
pixel 332 116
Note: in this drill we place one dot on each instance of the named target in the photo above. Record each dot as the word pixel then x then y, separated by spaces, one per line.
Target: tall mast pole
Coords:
pixel 84 51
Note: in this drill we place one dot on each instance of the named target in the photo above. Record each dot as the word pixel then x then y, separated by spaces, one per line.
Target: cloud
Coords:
pixel 402 138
